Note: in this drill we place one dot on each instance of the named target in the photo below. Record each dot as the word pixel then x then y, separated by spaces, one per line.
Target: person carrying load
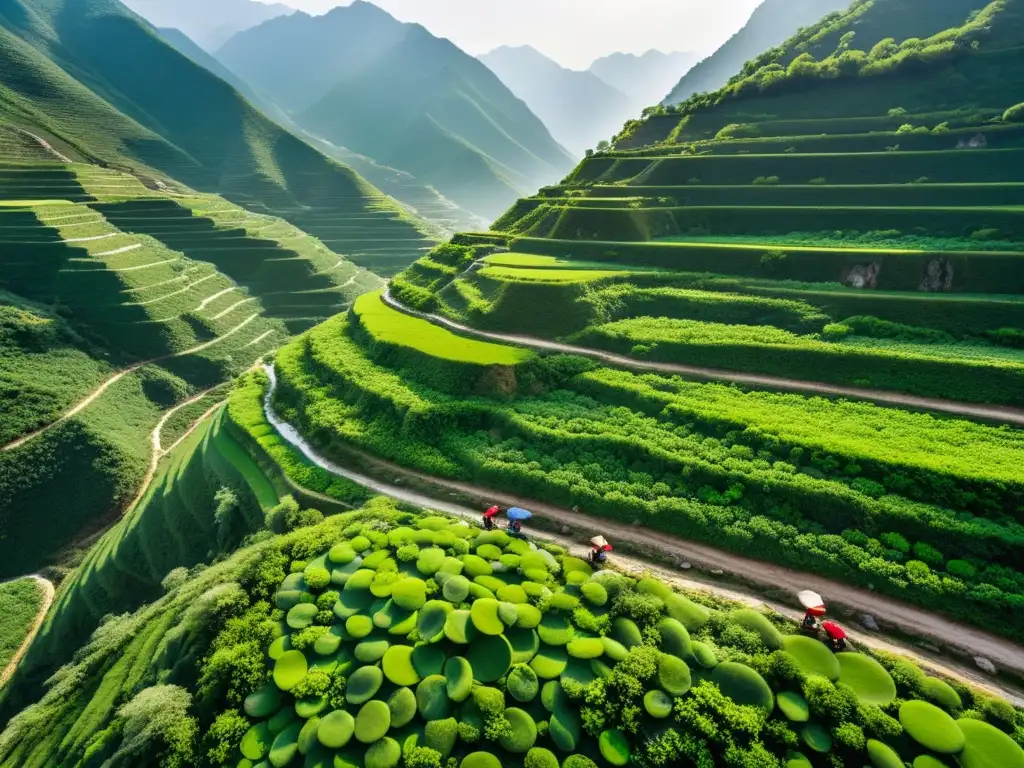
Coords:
pixel 489 515
pixel 599 549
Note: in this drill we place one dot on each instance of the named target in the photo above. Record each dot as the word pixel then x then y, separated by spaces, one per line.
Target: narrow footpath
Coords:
pixel 48 593
pixel 996 413
pixel 86 401
pixel 959 639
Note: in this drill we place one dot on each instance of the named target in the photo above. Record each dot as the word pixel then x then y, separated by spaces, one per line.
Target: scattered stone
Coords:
pixel 685 566
pixel 985 665
pixel 868 621
pixel 718 572
pixel 565 529
pixel 929 646
pixel 397 481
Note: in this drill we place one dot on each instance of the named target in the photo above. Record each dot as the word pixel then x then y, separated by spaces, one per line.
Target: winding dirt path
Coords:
pixel 85 402
pixel 49 148
pixel 958 639
pixel 48 593
pixel 997 413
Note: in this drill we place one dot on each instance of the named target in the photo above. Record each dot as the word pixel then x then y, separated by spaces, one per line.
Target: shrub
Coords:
pixel 772 260
pixel 849 736
pixel 538 757
pixel 896 542
pixel 835 331
pixel 766 180
pixel 962 570
pixel 1014 114
pixel 896 111
pixel 905 128
pixel 928 554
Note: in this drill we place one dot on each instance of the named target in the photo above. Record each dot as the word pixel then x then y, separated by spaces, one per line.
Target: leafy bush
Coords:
pixel 1014 114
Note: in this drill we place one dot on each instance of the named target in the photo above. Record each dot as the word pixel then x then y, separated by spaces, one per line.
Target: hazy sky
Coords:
pixel 574 32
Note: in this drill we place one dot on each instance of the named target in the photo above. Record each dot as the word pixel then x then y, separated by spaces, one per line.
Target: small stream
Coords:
pixel 292 436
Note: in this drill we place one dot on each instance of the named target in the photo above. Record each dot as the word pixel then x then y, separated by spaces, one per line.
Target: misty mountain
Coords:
pixel 579 108
pixel 395 93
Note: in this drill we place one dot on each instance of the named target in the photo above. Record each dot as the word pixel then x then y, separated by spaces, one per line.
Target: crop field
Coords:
pixel 389 327
pixel 20 602
pixel 455 643
pixel 920 516
pixel 141 299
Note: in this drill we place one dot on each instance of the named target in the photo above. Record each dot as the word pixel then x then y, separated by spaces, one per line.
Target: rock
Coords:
pixel 868 621
pixel 684 566
pixel 565 529
pixel 985 665
pixel 397 481
pixel 718 572
pixel 929 646
pixel 862 275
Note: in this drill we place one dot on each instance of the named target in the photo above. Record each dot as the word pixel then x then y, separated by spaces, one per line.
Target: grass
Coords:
pixel 389 326
pixel 550 275
pixel 20 602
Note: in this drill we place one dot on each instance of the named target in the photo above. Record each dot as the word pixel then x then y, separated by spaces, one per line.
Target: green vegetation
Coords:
pixel 389 327
pixel 928 514
pixel 87 80
pixel 195 285
pixel 265 656
pixel 20 602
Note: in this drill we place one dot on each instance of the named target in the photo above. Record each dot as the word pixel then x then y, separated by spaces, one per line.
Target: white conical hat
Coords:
pixel 599 541
pixel 809 599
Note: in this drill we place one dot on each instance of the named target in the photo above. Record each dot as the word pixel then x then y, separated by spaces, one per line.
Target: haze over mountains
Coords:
pixel 208 23
pixel 582 108
pixel 392 91
pixel 579 108
pixel 645 78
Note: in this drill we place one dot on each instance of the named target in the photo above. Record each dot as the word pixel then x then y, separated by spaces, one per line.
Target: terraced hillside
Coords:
pixel 619 311
pixel 383 637
pixel 100 82
pixel 118 303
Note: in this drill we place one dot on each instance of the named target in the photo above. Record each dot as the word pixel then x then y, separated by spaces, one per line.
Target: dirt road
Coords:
pixel 48 592
pixel 996 413
pixel 958 638
pixel 86 401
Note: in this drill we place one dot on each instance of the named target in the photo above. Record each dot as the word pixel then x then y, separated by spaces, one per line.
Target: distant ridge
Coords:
pixel 579 108
pixel 644 78
pixel 395 93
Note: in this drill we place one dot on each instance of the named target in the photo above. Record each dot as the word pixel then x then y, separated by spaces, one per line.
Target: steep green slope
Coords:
pixel 772 22
pixel 395 93
pixel 100 79
pixel 578 108
pixel 141 299
pixel 383 637
pixel 808 259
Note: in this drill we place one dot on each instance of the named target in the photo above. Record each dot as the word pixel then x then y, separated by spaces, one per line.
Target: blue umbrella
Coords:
pixel 516 513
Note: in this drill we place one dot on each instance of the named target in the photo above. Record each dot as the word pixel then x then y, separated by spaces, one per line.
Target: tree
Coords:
pixel 157 722
pixel 604 145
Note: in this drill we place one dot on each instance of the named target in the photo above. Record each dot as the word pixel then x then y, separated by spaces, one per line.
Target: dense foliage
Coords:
pixel 702 461
pixel 382 638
